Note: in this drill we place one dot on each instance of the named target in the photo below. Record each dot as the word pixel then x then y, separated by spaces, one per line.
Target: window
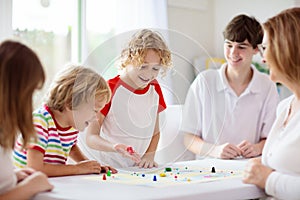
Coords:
pixel 47 27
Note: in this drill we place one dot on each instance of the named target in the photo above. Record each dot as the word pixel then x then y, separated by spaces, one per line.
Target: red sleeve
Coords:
pixel 113 83
pixel 162 104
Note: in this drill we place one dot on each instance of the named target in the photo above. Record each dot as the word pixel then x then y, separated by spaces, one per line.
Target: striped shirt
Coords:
pixel 53 141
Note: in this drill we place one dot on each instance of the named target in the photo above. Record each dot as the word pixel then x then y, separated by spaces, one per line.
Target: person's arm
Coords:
pixel 35 160
pixel 93 138
pixel 95 141
pixel 76 154
pixel 147 160
pixel 283 186
pixel 28 187
pixel 198 146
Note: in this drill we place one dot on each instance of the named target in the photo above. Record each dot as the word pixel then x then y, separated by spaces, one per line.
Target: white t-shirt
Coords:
pixel 8 178
pixel 130 119
pixel 281 152
pixel 215 113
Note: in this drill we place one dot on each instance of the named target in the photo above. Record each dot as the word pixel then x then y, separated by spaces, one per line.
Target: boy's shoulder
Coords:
pixel 42 113
pixel 209 75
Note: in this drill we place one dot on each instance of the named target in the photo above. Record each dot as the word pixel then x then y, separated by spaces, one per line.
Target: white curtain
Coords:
pixel 138 14
pixel 5 19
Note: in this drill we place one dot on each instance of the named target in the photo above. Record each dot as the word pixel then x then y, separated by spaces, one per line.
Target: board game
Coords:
pixel 167 176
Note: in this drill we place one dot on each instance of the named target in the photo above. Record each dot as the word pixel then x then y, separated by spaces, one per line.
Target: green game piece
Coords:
pixel 108 173
pixel 168 169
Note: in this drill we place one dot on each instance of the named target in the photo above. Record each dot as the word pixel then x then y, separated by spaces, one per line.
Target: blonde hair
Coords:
pixel 284 40
pixel 137 47
pixel 21 72
pixel 75 85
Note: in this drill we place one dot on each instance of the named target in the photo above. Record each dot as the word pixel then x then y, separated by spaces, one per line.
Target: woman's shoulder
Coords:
pixel 284 104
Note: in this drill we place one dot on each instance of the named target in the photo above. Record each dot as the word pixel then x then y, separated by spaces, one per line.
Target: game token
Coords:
pixel 130 150
pixel 168 169
pixel 104 177
pixel 154 178
pixel 108 173
pixel 213 170
pixel 162 175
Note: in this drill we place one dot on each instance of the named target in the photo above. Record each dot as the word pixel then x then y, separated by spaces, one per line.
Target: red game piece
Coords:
pixel 104 177
pixel 130 150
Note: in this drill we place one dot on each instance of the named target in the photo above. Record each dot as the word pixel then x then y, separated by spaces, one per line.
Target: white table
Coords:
pixel 75 187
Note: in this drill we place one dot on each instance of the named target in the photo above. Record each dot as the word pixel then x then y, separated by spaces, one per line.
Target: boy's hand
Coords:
pixel 105 169
pixel 249 150
pixel 89 167
pixel 226 151
pixel 128 152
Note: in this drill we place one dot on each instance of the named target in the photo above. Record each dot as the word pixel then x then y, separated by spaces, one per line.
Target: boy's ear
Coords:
pixel 256 50
pixel 67 107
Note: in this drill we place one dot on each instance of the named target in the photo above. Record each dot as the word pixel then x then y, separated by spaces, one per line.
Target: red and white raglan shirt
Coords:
pixel 130 119
pixel 54 142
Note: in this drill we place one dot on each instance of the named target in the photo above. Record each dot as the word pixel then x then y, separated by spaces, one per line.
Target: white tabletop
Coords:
pixel 76 187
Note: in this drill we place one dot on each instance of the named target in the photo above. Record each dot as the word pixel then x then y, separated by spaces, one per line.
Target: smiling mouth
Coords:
pixel 235 60
pixel 144 80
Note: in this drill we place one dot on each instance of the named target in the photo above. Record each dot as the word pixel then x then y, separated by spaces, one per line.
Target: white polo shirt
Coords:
pixel 215 113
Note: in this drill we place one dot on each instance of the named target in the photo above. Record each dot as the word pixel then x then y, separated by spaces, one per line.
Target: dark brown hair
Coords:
pixel 21 72
pixel 243 27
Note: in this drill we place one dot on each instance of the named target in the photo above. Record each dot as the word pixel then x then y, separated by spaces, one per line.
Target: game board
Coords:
pixel 172 175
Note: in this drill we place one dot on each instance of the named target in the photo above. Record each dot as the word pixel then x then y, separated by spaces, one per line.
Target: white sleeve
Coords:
pixel 283 186
pixel 191 113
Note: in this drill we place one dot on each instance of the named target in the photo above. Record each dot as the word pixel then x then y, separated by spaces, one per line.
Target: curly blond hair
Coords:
pixel 137 47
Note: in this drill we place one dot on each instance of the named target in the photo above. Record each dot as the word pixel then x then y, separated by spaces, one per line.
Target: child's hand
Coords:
pixel 23 173
pixel 89 167
pixel 105 169
pixel 128 152
pixel 147 161
pixel 36 182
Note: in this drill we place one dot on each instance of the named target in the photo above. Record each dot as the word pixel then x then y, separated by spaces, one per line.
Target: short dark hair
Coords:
pixel 243 27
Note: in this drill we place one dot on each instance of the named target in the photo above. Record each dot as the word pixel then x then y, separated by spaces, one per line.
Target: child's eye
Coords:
pixel 155 69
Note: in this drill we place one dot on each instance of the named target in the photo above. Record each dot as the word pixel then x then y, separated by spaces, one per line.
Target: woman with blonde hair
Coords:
pixel 278 171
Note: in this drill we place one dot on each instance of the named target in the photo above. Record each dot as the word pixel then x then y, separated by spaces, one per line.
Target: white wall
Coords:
pixel 224 11
pixel 190 39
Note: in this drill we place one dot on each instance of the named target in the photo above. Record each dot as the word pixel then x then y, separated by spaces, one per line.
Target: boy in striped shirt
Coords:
pixel 72 103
